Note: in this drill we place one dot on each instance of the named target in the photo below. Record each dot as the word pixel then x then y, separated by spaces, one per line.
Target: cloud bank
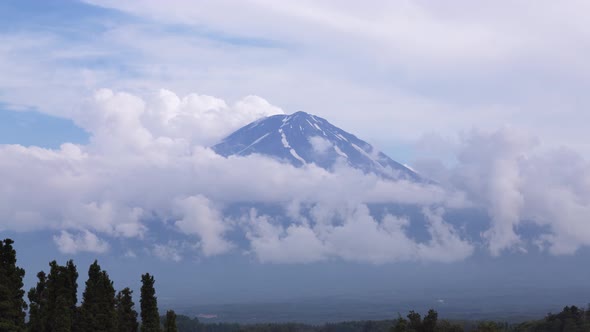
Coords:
pixel 148 167
pixel 519 182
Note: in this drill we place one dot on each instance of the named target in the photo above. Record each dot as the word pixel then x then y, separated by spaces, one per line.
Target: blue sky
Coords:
pixel 107 109
pixel 34 128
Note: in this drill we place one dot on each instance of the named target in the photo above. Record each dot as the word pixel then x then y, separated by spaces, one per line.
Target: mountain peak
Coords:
pixel 301 138
pixel 299 113
pixel 298 117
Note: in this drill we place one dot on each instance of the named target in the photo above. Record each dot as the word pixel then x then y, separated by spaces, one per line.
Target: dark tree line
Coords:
pixel 53 301
pixel 53 308
pixel 430 323
pixel 570 319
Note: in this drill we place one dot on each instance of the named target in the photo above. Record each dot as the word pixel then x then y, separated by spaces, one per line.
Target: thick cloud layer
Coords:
pixel 148 167
pixel 520 183
pixel 356 237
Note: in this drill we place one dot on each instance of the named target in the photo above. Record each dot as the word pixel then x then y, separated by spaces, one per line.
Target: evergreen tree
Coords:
pixel 53 300
pixel 401 325
pixel 62 290
pixel 150 318
pixel 126 314
pixel 170 325
pixel 415 321
pixel 446 326
pixel 97 312
pixel 429 321
pixel 38 304
pixel 12 304
pixel 63 315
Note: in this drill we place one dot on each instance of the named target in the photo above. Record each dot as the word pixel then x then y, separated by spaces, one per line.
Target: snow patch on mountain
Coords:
pixel 301 138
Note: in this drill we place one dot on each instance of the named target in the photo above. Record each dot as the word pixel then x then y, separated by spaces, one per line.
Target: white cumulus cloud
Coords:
pixel 142 172
pixel 84 241
pixel 353 234
pixel 202 218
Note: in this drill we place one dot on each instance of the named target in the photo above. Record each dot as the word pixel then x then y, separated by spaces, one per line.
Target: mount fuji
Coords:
pixel 301 138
